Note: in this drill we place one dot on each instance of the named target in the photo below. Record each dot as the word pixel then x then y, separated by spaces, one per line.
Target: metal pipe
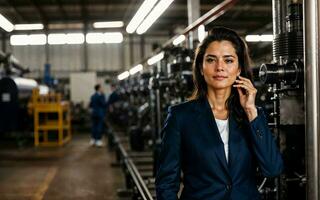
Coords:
pixel 279 11
pixel 211 15
pixel 134 173
pixel 275 17
pixel 312 76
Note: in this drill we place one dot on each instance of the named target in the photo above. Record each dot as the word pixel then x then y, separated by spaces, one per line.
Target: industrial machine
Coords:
pixel 285 82
pixel 15 92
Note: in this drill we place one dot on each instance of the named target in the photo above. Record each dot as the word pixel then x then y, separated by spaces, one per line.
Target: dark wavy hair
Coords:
pixel 200 86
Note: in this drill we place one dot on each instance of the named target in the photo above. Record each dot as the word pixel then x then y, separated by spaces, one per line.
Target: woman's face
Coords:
pixel 220 65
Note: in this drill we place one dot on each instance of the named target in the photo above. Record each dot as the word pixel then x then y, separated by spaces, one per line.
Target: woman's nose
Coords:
pixel 220 65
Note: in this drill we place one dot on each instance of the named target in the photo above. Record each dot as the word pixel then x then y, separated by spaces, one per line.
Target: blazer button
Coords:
pixel 259 133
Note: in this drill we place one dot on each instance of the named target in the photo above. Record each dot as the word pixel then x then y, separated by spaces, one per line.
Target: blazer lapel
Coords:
pixel 234 138
pixel 207 118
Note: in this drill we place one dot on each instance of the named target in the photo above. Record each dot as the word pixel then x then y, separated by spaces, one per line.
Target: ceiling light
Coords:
pixel 74 38
pixel 57 38
pixel 178 40
pixel 6 24
pixel 266 38
pixel 144 9
pixel 201 33
pixel 37 39
pixel 123 75
pixel 111 24
pixel 153 15
pixel 33 39
pixel 19 40
pixel 252 38
pixel 155 58
pixel 259 38
pixel 114 37
pixel 28 26
pixel 69 38
pixel 95 38
pixel 136 69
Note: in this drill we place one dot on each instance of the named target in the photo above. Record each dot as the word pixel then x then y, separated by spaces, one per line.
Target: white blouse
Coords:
pixel 223 127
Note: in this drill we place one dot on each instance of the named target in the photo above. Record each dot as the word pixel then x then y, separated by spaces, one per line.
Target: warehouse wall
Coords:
pixel 65 59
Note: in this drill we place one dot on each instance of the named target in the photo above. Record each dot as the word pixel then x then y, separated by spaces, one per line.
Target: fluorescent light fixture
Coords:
pixel 266 38
pixel 33 39
pixel 142 12
pixel 6 24
pixel 178 40
pixel 111 24
pixel 109 37
pixel 74 38
pixel 37 39
pixel 95 38
pixel 155 58
pixel 136 69
pixel 153 15
pixel 16 40
pixel 259 38
pixel 69 38
pixel 201 33
pixel 123 75
pixel 57 38
pixel 252 38
pixel 113 37
pixel 28 26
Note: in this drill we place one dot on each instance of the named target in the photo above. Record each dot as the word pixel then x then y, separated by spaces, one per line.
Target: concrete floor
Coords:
pixel 75 171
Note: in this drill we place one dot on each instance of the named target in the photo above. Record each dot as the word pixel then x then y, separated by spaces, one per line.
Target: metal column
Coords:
pixel 193 15
pixel 85 48
pixel 312 118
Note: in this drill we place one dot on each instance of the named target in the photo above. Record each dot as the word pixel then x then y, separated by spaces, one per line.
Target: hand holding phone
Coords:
pixel 247 93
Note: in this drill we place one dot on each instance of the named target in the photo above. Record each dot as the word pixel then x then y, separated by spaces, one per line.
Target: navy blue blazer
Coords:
pixel 192 144
pixel 98 105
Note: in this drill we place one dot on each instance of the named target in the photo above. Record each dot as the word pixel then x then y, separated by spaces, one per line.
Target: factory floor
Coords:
pixel 75 171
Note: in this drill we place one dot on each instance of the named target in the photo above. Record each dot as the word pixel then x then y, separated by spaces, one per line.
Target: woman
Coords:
pixel 219 137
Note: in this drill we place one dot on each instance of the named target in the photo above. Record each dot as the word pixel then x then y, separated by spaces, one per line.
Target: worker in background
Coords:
pixel 112 105
pixel 219 137
pixel 98 111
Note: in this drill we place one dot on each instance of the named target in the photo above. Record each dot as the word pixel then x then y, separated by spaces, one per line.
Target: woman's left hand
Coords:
pixel 247 96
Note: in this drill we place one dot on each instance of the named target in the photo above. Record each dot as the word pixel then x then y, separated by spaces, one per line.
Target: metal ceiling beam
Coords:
pixel 208 17
pixel 19 16
pixel 129 13
pixel 43 15
pixel 62 10
pixel 84 11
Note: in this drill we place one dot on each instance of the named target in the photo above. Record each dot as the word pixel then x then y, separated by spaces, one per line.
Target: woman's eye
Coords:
pixel 229 61
pixel 209 60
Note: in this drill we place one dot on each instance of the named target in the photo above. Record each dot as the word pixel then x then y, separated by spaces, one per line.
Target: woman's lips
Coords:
pixel 219 77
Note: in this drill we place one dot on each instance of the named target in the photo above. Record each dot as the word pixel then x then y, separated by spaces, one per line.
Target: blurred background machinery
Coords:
pixel 15 91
